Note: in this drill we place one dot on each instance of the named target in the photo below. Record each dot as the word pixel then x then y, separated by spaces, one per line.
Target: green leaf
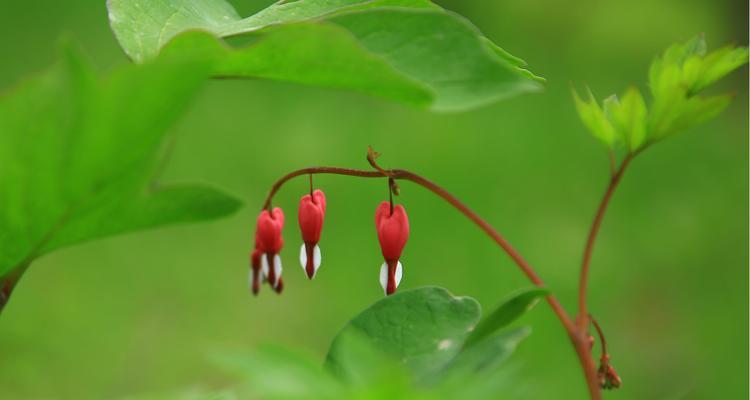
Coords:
pixel 507 312
pixel 292 54
pixel 715 66
pixel 484 356
pixel 410 51
pixel 423 328
pixel 680 52
pixel 676 79
pixel 81 155
pixel 666 71
pixel 687 66
pixel 415 341
pixel 595 120
pixel 697 110
pixel 629 117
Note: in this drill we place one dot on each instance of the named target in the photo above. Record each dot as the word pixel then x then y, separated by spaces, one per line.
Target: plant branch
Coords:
pixel 586 263
pixel 577 337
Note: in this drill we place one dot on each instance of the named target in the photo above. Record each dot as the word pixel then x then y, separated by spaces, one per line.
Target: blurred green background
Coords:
pixel 141 313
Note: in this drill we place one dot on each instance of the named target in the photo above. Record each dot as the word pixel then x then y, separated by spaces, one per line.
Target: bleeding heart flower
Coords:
pixel 312 210
pixel 269 242
pixel 393 232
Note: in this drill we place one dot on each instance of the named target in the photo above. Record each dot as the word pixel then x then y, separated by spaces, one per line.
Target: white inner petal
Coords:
pixel 303 257
pixel 264 265
pixel 277 268
pixel 399 273
pixel 316 257
pixel 384 277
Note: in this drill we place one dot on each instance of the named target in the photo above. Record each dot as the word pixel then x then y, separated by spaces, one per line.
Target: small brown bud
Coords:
pixel 608 378
pixel 614 379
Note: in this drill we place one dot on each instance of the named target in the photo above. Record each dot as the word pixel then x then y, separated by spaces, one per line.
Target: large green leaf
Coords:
pixel 424 331
pixel 405 50
pixel 81 154
pixel 423 328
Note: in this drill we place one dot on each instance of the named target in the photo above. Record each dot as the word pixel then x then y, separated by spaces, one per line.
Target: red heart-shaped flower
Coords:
pixel 393 232
pixel 312 210
pixel 269 242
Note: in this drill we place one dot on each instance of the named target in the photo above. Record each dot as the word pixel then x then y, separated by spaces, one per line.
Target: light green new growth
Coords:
pixel 676 79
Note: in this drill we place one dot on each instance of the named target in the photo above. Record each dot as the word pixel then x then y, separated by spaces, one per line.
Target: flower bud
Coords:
pixel 614 380
pixel 393 232
pixel 312 210
pixel 608 378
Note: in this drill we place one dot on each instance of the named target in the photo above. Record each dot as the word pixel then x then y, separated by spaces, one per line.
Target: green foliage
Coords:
pixel 410 51
pixel 424 331
pixel 424 328
pixel 594 118
pixel 507 312
pixel 676 80
pixel 406 346
pixel 81 155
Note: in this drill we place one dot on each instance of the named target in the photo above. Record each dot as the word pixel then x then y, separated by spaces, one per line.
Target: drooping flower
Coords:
pixel 312 210
pixel 392 226
pixel 269 242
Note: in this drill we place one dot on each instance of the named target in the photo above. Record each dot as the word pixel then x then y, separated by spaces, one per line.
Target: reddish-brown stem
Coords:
pixel 600 333
pixel 579 338
pixel 391 182
pixel 586 263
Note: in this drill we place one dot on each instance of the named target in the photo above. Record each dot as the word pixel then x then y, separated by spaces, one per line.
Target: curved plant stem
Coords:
pixel 582 319
pixel 600 333
pixel 579 338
